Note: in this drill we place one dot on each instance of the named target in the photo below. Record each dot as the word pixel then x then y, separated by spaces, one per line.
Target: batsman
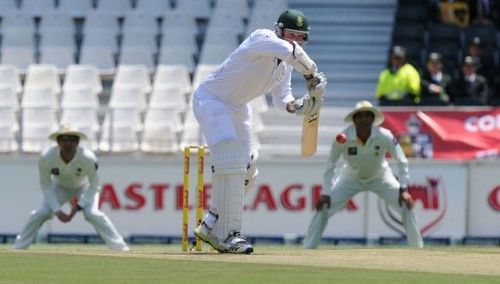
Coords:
pixel 262 63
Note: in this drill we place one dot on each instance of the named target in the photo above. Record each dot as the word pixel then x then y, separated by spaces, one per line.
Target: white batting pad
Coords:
pixel 228 180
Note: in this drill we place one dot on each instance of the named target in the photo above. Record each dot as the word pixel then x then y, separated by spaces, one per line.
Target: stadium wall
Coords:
pixel 142 197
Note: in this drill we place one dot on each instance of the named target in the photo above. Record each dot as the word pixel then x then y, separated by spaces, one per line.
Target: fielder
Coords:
pixel 365 169
pixel 262 63
pixel 68 171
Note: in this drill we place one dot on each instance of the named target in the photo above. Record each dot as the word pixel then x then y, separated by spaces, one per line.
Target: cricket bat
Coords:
pixel 310 133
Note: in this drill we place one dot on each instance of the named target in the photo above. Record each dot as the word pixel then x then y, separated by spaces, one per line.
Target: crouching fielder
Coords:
pixel 365 169
pixel 68 171
pixel 262 63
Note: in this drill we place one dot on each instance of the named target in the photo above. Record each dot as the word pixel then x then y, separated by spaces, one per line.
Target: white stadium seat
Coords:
pixel 76 8
pixel 9 77
pixel 124 96
pixel 80 76
pixel 133 76
pixel 8 97
pixel 43 75
pixel 117 7
pixel 37 7
pixel 171 97
pixel 173 75
pixel 83 97
pixel 153 7
pixel 37 123
pixel 159 139
pixel 39 96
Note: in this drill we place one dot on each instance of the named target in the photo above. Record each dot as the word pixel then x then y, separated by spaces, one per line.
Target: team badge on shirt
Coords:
pixel 54 171
pixel 78 172
pixel 377 150
pixel 352 151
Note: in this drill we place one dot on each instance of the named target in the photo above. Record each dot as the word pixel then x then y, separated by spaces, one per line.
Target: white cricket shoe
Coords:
pixel 235 243
pixel 205 234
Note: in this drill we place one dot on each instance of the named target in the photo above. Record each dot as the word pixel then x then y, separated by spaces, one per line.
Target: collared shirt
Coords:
pixel 261 64
pixel 366 162
pixel 79 173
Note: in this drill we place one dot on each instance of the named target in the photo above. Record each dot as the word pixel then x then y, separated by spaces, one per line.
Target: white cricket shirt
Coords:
pixel 79 174
pixel 366 162
pixel 258 66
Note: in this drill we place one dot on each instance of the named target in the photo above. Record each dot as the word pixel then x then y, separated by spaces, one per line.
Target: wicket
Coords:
pixel 199 194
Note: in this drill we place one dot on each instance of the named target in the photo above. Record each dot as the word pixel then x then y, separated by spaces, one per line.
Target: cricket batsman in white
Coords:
pixel 68 171
pixel 262 63
pixel 363 149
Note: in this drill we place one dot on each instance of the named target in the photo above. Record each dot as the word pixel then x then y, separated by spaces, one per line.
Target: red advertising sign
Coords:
pixel 458 134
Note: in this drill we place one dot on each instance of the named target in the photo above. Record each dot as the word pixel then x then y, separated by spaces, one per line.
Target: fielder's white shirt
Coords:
pixel 79 174
pixel 258 66
pixel 366 162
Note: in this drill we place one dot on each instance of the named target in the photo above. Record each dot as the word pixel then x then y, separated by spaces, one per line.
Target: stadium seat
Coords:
pixel 168 97
pixel 236 7
pixel 164 117
pixel 102 39
pixel 80 76
pixel 133 76
pixel 55 23
pixel 273 7
pixel 101 57
pixel 117 7
pixel 177 55
pixel 227 21
pixel 9 77
pixel 195 8
pixel 123 139
pixel 411 13
pixel 39 96
pixel 59 56
pixel 82 97
pixel 137 21
pixel 8 119
pixel 76 8
pixel 122 116
pixel 18 20
pixel 101 21
pixel 175 21
pixel 8 140
pixel 20 57
pixel 125 96
pixel 137 39
pixel 137 56
pixel 173 75
pixel 37 123
pixel 8 7
pixel 43 75
pixel 156 8
pixel 159 139
pixel 487 34
pixel 37 7
pixel 179 38
pixel 8 97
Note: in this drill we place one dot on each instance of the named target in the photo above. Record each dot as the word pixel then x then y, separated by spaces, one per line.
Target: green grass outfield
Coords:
pixel 44 263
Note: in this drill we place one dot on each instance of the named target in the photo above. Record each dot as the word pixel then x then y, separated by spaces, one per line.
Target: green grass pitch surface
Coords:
pixel 44 263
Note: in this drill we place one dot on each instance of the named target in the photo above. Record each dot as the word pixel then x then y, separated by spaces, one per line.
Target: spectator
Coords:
pixel 436 84
pixel 483 12
pixel 483 62
pixel 399 83
pixel 471 88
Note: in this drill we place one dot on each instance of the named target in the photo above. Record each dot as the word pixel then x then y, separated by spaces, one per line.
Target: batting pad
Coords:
pixel 228 180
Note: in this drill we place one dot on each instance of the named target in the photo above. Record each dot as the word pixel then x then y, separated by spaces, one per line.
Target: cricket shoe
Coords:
pixel 237 244
pixel 204 233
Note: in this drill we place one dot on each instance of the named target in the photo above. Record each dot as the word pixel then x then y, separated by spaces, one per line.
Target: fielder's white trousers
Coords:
pixel 92 214
pixel 344 188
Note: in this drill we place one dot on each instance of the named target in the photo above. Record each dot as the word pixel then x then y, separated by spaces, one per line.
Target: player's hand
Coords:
pixel 306 105
pixel 317 79
pixel 63 217
pixel 405 197
pixel 323 201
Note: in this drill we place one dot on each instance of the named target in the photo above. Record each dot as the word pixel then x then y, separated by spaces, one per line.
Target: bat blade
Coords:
pixel 309 135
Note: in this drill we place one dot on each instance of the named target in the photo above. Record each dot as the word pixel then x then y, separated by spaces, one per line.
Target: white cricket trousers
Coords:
pixel 344 188
pixel 92 214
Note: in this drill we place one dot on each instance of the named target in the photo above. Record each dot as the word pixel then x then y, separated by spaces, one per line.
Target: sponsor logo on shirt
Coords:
pixel 352 151
pixel 54 171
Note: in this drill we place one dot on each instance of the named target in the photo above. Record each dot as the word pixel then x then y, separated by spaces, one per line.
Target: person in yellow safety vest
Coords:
pixel 399 83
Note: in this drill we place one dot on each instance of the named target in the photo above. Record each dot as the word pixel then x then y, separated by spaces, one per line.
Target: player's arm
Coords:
pixel 325 199
pixel 49 195
pixel 403 173
pixel 90 170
